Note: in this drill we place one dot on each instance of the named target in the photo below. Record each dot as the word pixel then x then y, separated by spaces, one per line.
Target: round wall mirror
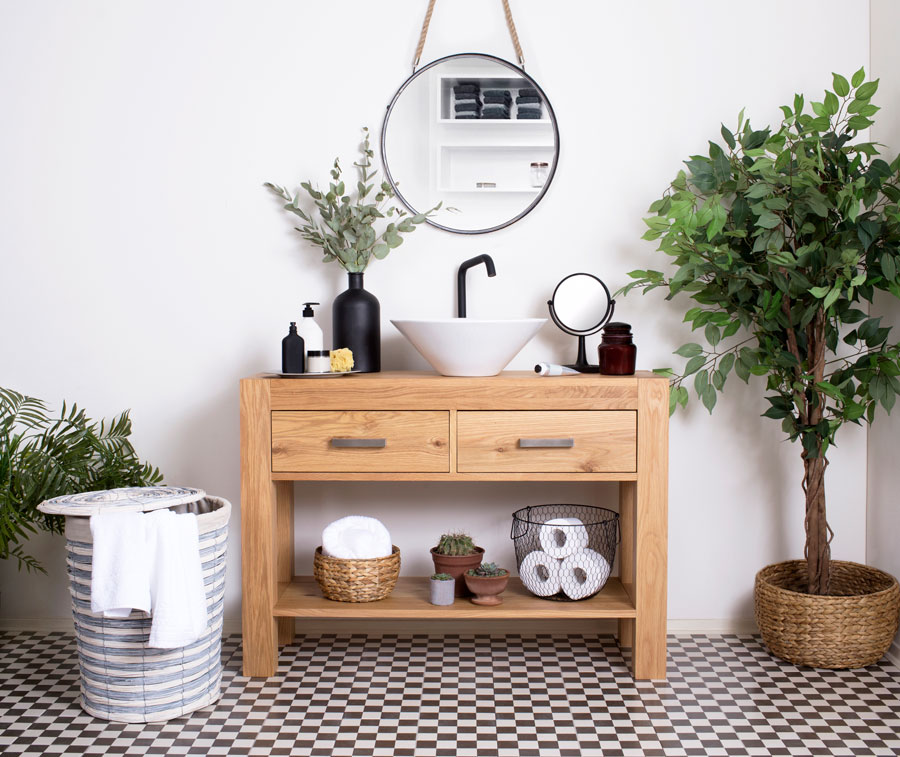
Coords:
pixel 475 133
pixel 580 306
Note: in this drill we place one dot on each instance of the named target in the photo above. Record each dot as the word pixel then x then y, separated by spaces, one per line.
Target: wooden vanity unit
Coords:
pixel 418 426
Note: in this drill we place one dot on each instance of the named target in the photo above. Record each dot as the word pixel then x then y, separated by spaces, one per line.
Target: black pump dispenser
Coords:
pixel 292 351
pixel 307 309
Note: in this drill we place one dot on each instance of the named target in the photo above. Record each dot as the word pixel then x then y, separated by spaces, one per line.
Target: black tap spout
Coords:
pixel 461 280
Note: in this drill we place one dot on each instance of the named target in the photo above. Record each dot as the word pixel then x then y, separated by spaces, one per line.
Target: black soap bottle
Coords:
pixel 292 351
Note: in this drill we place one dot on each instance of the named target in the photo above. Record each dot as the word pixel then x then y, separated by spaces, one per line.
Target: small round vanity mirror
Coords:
pixel 474 133
pixel 580 306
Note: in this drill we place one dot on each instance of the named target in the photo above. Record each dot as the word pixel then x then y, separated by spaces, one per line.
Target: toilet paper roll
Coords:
pixel 562 537
pixel 583 574
pixel 356 537
pixel 540 573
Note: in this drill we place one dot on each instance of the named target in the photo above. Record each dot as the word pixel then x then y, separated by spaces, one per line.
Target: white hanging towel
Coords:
pixel 120 577
pixel 178 599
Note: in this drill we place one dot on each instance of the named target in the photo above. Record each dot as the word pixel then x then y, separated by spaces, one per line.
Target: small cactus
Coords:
pixel 488 570
pixel 442 577
pixel 455 544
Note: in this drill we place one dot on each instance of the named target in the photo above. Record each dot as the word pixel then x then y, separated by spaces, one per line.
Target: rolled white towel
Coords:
pixel 583 574
pixel 356 537
pixel 540 573
pixel 562 537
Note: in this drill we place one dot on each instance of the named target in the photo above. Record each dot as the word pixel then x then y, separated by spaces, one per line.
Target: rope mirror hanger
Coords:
pixel 510 24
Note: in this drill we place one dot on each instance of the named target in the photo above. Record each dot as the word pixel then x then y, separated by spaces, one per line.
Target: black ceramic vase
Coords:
pixel 356 323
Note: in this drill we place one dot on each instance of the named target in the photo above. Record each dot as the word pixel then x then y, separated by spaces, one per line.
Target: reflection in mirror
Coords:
pixel 474 133
pixel 581 302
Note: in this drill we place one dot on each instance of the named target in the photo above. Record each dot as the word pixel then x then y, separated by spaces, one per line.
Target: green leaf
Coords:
pixel 840 86
pixel 888 266
pixel 381 251
pixel 694 364
pixel 832 296
pixel 689 350
pixel 726 363
pixel 728 137
pixel 858 77
pixel 831 101
pixel 712 334
pixel 857 123
pixel 865 91
pixel 709 398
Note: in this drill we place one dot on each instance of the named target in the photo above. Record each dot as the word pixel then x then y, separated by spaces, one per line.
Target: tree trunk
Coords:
pixel 818 534
pixel 818 550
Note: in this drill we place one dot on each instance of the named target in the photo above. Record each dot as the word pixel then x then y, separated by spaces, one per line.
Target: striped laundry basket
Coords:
pixel 122 679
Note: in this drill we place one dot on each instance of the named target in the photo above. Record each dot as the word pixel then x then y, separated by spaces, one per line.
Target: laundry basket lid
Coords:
pixel 128 499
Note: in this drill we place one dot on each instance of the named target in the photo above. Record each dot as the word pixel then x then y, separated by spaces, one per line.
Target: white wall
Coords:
pixel 144 266
pixel 883 474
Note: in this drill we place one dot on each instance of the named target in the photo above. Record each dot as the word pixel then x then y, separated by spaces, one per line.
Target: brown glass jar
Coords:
pixel 617 352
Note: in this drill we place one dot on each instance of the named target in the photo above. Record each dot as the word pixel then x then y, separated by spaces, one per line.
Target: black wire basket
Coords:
pixel 565 552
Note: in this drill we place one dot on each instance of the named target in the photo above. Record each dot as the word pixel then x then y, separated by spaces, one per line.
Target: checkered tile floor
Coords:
pixel 421 696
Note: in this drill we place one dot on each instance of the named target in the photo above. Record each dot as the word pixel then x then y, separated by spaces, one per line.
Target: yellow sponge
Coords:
pixel 341 360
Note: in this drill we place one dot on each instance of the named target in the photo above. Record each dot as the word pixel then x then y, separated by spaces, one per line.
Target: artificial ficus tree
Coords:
pixel 782 237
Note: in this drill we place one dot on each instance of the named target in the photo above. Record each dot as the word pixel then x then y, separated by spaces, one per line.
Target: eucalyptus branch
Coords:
pixel 346 232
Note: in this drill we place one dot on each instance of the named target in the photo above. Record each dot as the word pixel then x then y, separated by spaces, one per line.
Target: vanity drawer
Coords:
pixel 552 441
pixel 319 441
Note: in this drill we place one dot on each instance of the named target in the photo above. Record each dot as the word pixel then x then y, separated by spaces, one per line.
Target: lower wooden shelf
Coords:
pixel 301 598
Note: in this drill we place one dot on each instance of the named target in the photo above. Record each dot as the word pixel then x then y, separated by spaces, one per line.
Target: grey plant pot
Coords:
pixel 442 592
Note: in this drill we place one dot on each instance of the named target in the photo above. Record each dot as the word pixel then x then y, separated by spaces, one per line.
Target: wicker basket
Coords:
pixel 356 580
pixel 122 678
pixel 851 628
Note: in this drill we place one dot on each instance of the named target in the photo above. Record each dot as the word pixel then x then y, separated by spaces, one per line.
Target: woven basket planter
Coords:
pixel 122 679
pixel 851 628
pixel 356 580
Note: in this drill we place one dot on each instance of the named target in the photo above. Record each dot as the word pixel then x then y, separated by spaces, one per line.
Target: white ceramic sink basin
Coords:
pixel 468 346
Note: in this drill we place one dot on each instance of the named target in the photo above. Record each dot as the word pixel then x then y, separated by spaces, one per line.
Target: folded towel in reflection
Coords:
pixel 527 99
pixel 496 93
pixel 534 115
pixel 528 92
pixel 502 100
pixel 463 88
pixel 467 115
pixel 496 109
pixel 463 107
pixel 488 113
pixel 466 99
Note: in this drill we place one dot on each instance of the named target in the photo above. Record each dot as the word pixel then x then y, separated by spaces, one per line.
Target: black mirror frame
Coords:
pixel 581 362
pixel 519 72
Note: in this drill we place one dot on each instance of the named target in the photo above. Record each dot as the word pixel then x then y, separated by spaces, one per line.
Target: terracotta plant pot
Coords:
pixel 487 588
pixel 442 592
pixel 456 566
pixel 850 628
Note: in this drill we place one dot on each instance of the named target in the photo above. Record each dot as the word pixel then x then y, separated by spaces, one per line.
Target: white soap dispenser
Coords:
pixel 309 329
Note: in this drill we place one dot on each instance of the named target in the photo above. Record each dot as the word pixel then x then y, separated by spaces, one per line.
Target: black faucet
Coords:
pixel 461 280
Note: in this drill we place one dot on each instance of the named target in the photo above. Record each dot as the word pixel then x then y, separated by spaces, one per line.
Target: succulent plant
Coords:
pixel 488 570
pixel 442 577
pixel 455 544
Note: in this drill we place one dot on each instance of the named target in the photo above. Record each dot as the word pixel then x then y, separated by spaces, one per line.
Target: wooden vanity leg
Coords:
pixel 626 557
pixel 285 547
pixel 259 522
pixel 651 530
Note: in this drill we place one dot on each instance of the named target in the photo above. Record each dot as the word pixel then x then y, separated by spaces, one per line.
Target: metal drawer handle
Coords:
pixel 379 443
pixel 570 442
